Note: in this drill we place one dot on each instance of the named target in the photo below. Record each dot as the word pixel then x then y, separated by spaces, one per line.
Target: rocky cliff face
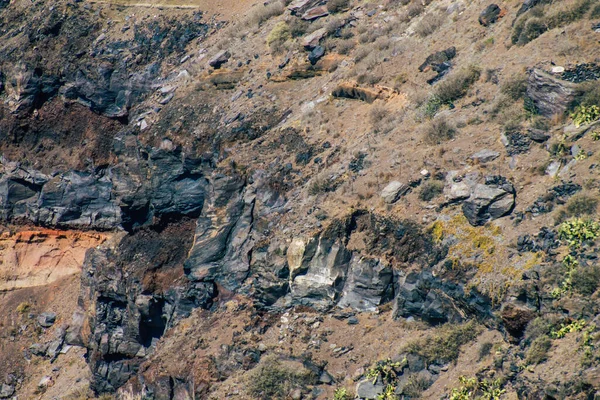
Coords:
pixel 366 202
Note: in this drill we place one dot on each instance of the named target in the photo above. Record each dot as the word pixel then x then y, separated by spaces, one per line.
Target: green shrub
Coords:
pixel 278 36
pixel 444 345
pixel 341 394
pixel 585 114
pixel 595 12
pixel 473 388
pixel 538 351
pixel 439 130
pixel 431 190
pixel 23 307
pixel 336 6
pixel 577 231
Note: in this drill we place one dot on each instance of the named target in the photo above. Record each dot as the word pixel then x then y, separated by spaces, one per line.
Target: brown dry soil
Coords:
pixel 300 114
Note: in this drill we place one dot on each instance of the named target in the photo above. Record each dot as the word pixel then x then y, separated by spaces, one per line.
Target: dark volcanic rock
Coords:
pixel 516 143
pixel 219 59
pixel 529 4
pixel 492 200
pixel 222 244
pixel 556 195
pixel 316 54
pixel 582 73
pixel 490 15
pixel 546 240
pixel 435 300
pixel 438 58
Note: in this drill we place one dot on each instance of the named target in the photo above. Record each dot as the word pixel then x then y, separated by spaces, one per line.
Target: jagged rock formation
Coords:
pixel 234 212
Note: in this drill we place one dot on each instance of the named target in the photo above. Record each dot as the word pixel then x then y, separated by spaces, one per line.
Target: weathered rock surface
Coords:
pixel 485 156
pixel 550 95
pixel 490 15
pixel 46 319
pixel 219 59
pixel 393 191
pixel 435 300
pixel 492 200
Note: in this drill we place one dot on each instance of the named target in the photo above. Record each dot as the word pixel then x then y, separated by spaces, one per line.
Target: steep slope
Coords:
pixel 291 200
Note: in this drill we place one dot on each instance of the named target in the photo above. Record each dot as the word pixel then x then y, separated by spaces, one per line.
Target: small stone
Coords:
pixel 490 15
pixel 46 319
pixel 538 135
pixel 352 321
pixel 425 173
pixel 485 156
pixel 6 391
pixel 557 70
pixel 393 191
pixel 296 394
pixel 219 59
pixel 45 381
pixel 315 13
pixel 311 41
pixel 553 168
pixel 316 54
pixel 262 347
pixel 326 378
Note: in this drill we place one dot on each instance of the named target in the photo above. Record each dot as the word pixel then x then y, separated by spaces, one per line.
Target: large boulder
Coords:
pixel 368 285
pixel 367 389
pixel 489 201
pixel 550 95
pixel 435 300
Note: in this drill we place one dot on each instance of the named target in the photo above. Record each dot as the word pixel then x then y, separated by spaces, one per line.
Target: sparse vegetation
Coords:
pixel 431 190
pixel 473 388
pixel 429 24
pixel 336 6
pixel 23 307
pixel 585 280
pixel 451 89
pixel 581 205
pixel 341 394
pixel 584 115
pixel 278 36
pixel 416 385
pixel 444 345
pixel 536 22
pixel 273 380
pixel 515 88
pixel 264 12
pixel 537 352
pixel 439 130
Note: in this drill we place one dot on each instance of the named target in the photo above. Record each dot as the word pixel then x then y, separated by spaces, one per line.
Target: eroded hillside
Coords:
pixel 384 199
